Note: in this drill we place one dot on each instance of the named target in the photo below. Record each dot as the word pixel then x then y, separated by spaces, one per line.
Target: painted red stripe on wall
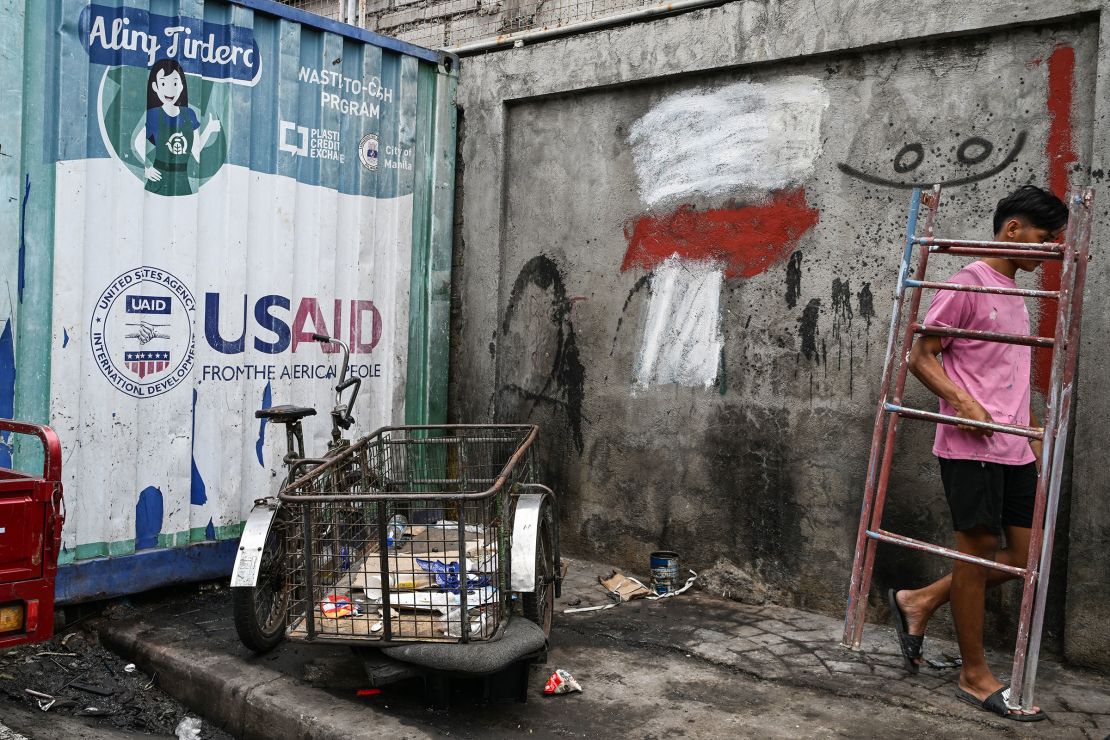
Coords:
pixel 1060 153
pixel 745 241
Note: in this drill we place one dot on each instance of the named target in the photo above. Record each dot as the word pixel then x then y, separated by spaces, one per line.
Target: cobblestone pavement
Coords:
pixel 693 666
pixel 802 648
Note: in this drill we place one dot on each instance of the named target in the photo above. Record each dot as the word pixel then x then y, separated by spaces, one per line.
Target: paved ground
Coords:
pixel 692 666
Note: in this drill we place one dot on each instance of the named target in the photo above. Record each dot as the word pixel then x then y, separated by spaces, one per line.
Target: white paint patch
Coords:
pixel 682 338
pixel 746 135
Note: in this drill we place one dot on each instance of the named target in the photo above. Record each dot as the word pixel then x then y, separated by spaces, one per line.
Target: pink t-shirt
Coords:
pixel 995 374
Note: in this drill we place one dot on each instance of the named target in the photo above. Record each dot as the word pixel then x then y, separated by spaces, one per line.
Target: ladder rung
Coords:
pixel 1021 431
pixel 933 241
pixel 898 539
pixel 1027 254
pixel 932 330
pixel 1023 292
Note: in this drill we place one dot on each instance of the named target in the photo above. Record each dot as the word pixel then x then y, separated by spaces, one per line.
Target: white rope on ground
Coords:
pixel 653 597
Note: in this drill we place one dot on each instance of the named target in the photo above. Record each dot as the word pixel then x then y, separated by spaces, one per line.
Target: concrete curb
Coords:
pixel 248 700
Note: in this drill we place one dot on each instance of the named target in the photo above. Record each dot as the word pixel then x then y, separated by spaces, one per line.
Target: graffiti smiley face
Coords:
pixel 912 165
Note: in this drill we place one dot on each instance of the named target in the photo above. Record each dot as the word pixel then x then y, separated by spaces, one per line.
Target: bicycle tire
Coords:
pixel 539 605
pixel 260 611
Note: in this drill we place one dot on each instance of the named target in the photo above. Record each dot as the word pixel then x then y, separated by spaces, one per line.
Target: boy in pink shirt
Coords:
pixel 990 479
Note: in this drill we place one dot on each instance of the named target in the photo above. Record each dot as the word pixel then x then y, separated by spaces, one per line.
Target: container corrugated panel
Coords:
pixel 212 183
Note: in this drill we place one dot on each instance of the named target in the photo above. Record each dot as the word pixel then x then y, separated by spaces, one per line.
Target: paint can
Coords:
pixel 664 571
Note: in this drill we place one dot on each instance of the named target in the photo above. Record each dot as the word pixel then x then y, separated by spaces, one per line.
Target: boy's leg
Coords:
pixel 969 583
pixel 918 605
pixel 967 596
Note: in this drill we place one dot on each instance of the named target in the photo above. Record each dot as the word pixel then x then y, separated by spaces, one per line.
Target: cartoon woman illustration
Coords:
pixel 173 129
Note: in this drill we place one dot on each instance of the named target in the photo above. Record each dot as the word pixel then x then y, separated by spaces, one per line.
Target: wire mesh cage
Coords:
pixel 404 536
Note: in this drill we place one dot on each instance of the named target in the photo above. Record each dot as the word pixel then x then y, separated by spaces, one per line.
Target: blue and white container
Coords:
pixel 199 186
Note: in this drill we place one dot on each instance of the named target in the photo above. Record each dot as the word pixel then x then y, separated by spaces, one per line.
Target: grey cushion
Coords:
pixel 521 638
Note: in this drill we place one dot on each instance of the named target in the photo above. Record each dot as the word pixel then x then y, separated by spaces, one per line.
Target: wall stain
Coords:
pixel 765 523
pixel 794 279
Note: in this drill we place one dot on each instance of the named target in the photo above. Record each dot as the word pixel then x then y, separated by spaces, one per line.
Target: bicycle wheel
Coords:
pixel 260 611
pixel 539 605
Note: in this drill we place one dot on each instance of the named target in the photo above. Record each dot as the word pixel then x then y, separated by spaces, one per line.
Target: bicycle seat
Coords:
pixel 284 414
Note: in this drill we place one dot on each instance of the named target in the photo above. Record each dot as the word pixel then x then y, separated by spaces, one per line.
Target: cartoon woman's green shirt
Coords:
pixel 172 137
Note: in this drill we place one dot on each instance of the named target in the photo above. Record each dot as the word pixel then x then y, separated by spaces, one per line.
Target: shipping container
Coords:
pixel 191 189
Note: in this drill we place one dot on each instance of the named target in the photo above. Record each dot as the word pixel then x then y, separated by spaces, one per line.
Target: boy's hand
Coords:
pixel 969 408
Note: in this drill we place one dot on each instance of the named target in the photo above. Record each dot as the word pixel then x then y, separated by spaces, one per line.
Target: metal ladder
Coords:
pixel 1073 253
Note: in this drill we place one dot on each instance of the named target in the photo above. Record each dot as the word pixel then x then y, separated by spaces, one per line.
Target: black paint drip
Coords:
pixel 866 312
pixel 794 279
pixel 807 329
pixel 866 303
pixel 841 303
pixel 842 319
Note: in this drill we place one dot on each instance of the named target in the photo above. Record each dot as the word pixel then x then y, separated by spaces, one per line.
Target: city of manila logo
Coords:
pixel 368 151
pixel 141 332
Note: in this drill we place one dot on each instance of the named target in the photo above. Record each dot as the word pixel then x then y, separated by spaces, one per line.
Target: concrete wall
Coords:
pixel 677 248
pixel 451 23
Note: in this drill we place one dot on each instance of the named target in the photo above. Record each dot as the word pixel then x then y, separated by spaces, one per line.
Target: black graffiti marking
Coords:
pixel 643 282
pixel 793 280
pixel 866 303
pixel 567 376
pixel 807 329
pixel 917 150
pixel 985 149
pixel 1019 144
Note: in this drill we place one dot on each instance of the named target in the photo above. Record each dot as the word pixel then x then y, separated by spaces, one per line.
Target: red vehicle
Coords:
pixel 32 512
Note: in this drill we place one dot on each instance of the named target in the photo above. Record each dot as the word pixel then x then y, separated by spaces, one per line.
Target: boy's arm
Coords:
pixel 926 368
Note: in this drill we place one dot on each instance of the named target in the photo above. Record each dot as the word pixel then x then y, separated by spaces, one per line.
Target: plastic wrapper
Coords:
pixel 561 682
pixel 447 575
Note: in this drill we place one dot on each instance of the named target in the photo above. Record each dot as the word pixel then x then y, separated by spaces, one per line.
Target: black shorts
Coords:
pixel 990 494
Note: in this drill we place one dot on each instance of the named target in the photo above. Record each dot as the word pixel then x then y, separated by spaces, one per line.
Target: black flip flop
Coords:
pixel 910 644
pixel 996 704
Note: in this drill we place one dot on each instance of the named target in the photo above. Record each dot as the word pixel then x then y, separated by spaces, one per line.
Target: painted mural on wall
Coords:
pixel 757 146
pixel 727 245
pixel 749 141
pixel 217 206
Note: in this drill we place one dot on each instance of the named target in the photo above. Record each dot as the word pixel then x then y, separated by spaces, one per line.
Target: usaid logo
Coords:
pixel 141 332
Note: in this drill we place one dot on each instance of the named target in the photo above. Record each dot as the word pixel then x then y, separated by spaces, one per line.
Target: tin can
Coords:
pixel 664 571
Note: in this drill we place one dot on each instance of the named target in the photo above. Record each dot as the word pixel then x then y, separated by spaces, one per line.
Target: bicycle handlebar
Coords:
pixel 344 419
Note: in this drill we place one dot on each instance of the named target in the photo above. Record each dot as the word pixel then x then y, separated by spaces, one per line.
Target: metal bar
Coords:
pixel 941 242
pixel 859 606
pixel 1022 292
pixel 1036 538
pixel 899 539
pixel 304 481
pixel 851 628
pixel 464 611
pixel 383 570
pixel 445 482
pixel 1024 254
pixel 931 330
pixel 1021 431
pixel 309 573
pixel 1080 241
